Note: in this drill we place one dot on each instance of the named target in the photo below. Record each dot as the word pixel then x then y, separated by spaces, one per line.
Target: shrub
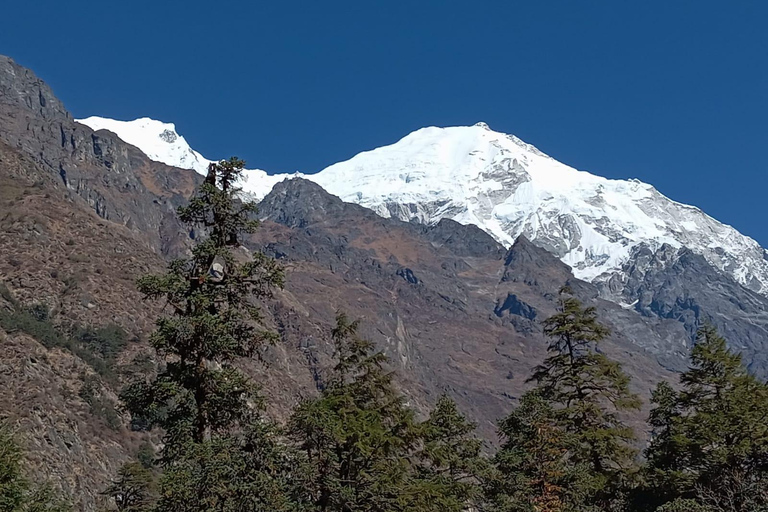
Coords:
pixel 7 295
pixel 33 321
pixel 107 341
pixel 96 346
pixel 100 406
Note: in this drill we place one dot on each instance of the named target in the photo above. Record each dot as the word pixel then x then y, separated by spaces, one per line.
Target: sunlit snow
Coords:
pixel 475 175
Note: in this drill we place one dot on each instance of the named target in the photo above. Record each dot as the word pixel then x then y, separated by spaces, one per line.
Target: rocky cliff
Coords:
pixel 83 213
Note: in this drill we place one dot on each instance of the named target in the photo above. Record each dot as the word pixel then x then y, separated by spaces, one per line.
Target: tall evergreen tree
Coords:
pixel 134 488
pixel 364 450
pixel 665 469
pixel 217 452
pixel 531 472
pixel 357 434
pixel 588 389
pixel 565 446
pixel 710 440
pixel 450 459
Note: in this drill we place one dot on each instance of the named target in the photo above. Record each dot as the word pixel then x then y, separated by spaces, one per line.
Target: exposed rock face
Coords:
pixel 57 252
pixel 474 175
pixel 452 315
pixel 82 214
pixel 20 86
pixel 468 240
pixel 666 339
pixel 512 305
pixel 603 229
pixel 677 284
pixel 115 179
pixel 65 444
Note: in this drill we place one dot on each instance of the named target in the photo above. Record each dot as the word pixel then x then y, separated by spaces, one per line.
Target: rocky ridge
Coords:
pixel 455 310
pixel 508 188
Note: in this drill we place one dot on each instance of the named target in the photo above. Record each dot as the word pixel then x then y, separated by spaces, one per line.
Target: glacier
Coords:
pixel 475 175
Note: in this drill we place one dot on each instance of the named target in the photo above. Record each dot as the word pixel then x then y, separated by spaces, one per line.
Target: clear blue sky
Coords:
pixel 670 92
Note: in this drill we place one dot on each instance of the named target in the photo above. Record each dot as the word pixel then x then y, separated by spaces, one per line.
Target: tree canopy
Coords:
pixel 357 445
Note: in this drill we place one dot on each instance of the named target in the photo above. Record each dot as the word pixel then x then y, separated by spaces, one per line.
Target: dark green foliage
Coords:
pixel 665 469
pixel 13 486
pixel 146 455
pixel 6 294
pixel 684 505
pixel 107 341
pixel 96 346
pixel 213 320
pixel 565 446
pixel 33 321
pixel 17 492
pixel 101 406
pixel 250 472
pixel 140 366
pixel 134 489
pixel 587 388
pixel 219 453
pixel 710 440
pixel 588 391
pixel 365 451
pixel 357 434
pixel 450 459
pixel 532 470
pixel 39 312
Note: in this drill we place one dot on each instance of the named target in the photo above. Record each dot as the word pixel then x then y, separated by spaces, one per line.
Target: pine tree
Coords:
pixel 588 388
pixel 357 434
pixel 665 467
pixel 364 450
pixel 531 470
pixel 252 471
pixel 215 443
pixel 572 417
pixel 450 460
pixel 134 490
pixel 710 440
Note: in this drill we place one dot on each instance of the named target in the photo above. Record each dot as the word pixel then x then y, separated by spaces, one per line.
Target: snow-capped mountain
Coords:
pixel 475 175
pixel 160 142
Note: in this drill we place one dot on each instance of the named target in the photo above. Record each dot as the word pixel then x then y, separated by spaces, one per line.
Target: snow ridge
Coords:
pixel 161 143
pixel 505 186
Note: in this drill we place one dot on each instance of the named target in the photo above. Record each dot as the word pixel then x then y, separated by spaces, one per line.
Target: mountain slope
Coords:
pixel 508 188
pixel 161 143
pixel 452 318
pixel 85 213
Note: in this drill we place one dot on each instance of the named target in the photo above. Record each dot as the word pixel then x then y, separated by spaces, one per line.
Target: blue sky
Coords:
pixel 672 93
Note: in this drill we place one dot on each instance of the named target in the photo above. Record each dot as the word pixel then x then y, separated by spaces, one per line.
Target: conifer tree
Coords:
pixel 450 459
pixel 364 450
pixel 357 434
pixel 531 470
pixel 665 469
pixel 710 440
pixel 587 388
pixel 134 488
pixel 218 454
pixel 566 447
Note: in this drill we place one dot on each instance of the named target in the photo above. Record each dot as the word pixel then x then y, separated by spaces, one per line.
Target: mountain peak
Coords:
pixel 158 140
pixel 506 187
pixel 20 87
